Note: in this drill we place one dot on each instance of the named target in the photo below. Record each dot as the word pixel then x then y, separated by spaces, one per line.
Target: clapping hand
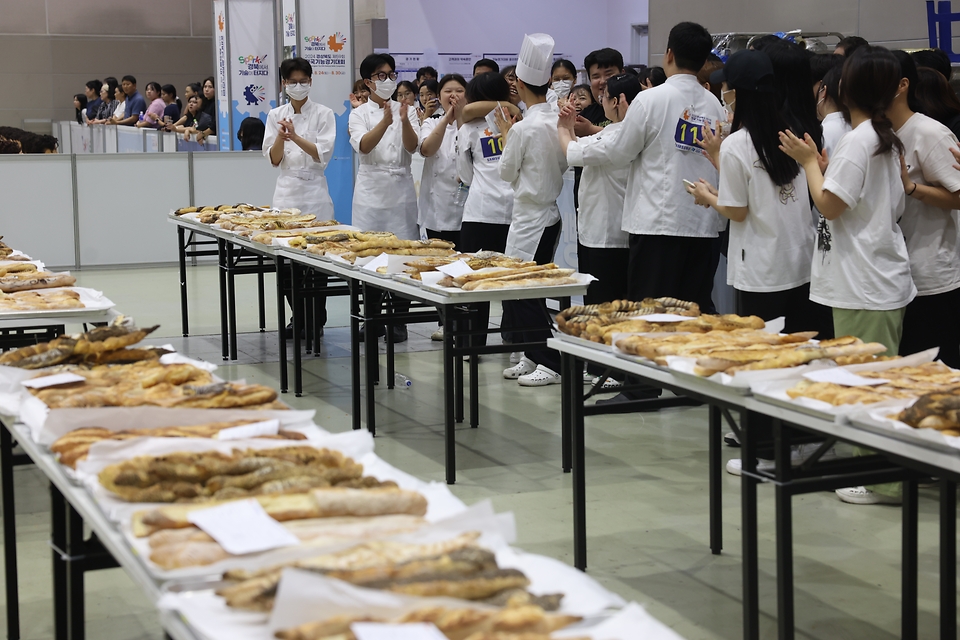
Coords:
pixel 568 118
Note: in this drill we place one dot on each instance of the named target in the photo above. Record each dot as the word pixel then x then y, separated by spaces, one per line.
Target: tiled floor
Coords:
pixel 646 491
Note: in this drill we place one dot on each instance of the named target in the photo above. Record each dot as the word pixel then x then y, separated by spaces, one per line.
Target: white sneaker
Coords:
pixel 862 495
pixel 541 377
pixel 608 385
pixel 437 336
pixel 522 368
pixel 731 440
pixel 588 378
pixel 516 357
pixel 735 466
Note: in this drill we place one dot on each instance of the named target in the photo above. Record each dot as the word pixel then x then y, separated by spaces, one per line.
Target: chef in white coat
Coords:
pixel 299 139
pixel 385 134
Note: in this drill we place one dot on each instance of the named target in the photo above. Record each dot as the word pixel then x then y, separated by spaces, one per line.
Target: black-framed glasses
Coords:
pixel 383 76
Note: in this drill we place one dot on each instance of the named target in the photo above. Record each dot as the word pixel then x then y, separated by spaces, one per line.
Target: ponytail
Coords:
pixel 888 138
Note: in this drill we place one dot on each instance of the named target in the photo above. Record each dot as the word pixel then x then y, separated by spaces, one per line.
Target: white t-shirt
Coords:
pixel 602 187
pixel 439 182
pixel 770 250
pixel 861 258
pixel 490 199
pixel 931 233
pixel 834 128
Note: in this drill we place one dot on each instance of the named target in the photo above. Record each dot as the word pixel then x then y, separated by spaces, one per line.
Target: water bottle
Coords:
pixel 141 116
pixel 402 381
pixel 460 195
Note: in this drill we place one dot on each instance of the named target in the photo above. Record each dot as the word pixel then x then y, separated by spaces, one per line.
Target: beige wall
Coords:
pixel 50 48
pixel 892 23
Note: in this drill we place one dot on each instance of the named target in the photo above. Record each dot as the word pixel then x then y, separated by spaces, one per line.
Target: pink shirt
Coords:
pixel 156 108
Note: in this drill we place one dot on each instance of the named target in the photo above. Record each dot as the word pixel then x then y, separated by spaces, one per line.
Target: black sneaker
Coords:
pixel 399 334
pixel 730 439
pixel 380 332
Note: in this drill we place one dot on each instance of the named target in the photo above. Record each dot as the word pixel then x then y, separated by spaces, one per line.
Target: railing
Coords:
pixel 80 139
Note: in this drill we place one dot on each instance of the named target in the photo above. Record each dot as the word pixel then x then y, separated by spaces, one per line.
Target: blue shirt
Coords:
pixel 135 105
pixel 92 107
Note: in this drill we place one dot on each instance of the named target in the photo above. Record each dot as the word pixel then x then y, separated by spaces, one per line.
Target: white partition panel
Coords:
pixel 37 209
pixel 64 137
pixel 98 139
pixel 129 140
pixel 152 141
pixel 110 138
pixel 80 138
pixel 232 177
pixel 168 142
pixel 123 206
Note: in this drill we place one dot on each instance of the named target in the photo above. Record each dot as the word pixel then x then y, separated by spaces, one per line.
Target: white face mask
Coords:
pixel 385 88
pixel 298 91
pixel 562 88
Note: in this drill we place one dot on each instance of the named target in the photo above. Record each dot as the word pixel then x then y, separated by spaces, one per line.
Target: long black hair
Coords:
pixel 757 113
pixel 908 70
pixel 935 97
pixel 797 104
pixel 871 77
pixel 831 89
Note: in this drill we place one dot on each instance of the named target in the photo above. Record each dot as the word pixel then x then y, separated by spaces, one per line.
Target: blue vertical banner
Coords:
pixel 251 85
pixel 325 39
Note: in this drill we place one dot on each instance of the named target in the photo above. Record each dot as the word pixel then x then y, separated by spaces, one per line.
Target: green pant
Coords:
pixel 885 327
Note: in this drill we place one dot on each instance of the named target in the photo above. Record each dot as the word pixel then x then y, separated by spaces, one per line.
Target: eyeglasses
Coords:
pixel 383 76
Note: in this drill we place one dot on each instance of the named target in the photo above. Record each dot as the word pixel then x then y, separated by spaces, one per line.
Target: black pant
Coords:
pixel 931 321
pixel 671 266
pixel 449 236
pixel 533 313
pixel 318 280
pixel 609 267
pixel 482 236
pixel 801 313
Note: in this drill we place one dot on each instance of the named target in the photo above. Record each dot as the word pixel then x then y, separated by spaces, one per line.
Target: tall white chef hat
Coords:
pixel 536 59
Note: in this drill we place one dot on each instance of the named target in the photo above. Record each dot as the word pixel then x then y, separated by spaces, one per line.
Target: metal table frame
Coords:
pixel 895 461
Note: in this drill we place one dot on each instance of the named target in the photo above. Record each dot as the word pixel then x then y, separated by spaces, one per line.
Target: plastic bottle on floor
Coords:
pixel 402 381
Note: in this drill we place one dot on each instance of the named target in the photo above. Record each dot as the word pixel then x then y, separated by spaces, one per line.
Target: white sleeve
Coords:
pixel 465 154
pixel 937 165
pixel 846 174
pixel 414 121
pixel 426 128
pixel 512 156
pixel 270 133
pixel 734 184
pixel 591 151
pixel 358 128
pixel 326 137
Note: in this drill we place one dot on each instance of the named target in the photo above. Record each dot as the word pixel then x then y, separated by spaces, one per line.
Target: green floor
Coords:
pixel 646 488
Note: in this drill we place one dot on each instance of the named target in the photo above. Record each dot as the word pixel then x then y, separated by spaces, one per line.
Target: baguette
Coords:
pixel 542 281
pixel 319 503
pixel 30 281
pixel 459 281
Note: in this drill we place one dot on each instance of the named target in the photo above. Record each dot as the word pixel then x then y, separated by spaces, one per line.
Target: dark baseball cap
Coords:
pixel 748 69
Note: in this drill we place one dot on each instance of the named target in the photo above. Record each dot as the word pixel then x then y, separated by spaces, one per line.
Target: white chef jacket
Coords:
pixel 439 182
pixel 932 234
pixel 301 182
pixel 552 99
pixel 384 198
pixel 861 260
pixel 533 163
pixel 490 199
pixel 658 139
pixel 602 188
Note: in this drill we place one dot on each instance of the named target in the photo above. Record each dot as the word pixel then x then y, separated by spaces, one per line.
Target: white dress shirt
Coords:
pixel 658 138
pixel 301 182
pixel 533 163
pixel 439 182
pixel 478 164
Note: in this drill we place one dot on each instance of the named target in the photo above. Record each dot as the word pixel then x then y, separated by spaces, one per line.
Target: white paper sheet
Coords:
pixel 882 417
pixel 265 428
pixel 663 317
pixel 242 527
pixel 455 269
pixel 838 375
pixel 431 278
pixel 379 261
pixel 52 381
pixel 414 631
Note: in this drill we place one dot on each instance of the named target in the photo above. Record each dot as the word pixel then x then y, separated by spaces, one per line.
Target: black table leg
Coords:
pixel 458 371
pixel 784 526
pixel 296 272
pixel 222 260
pixel 578 463
pixel 281 324
pixel 716 482
pixel 908 597
pixel 355 349
pixel 748 508
pixel 75 570
pixel 371 353
pixel 948 559
pixel 182 251
pixel 232 301
pixel 58 538
pixel 9 534
pixel 450 444
pixel 567 398
pixel 470 321
pixel 388 341
pixel 262 307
